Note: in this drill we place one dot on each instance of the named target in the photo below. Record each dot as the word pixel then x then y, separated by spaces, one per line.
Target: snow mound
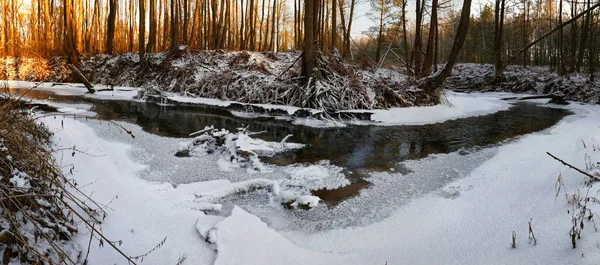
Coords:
pixel 323 175
pixel 244 237
pixel 457 105
pixel 295 197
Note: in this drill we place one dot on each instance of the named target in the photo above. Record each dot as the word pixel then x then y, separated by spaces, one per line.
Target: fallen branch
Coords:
pixel 83 79
pixel 572 167
pixel 290 67
pixel 365 53
pixel 553 98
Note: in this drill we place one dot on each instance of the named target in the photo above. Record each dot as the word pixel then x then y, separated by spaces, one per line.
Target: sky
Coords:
pixel 362 21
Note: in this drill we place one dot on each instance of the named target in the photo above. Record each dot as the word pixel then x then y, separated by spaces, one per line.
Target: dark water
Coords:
pixel 359 149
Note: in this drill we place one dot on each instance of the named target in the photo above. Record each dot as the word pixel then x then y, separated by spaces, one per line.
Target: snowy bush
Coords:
pixel 239 149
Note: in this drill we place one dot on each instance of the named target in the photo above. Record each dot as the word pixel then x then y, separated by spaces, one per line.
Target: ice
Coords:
pixel 315 177
pixel 458 105
pixel 451 209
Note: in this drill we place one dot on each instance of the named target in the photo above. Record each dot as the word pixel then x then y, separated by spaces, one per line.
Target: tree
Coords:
pixel 110 32
pixel 416 53
pixel 70 43
pixel 430 40
pixel 310 17
pixel 382 8
pixel 432 83
pixel 174 25
pixel 333 25
pixel 142 34
pixel 498 29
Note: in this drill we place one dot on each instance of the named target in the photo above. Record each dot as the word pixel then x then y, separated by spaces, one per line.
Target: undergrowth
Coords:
pixel 247 77
pixel 581 213
pixel 41 209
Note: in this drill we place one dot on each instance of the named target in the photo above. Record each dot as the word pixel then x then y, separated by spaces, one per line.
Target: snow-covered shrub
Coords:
pixel 247 77
pixel 534 80
pixel 40 208
pixel 583 205
pixel 237 148
pixel 36 223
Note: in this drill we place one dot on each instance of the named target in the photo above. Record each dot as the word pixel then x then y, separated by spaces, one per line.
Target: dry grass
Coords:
pixel 40 208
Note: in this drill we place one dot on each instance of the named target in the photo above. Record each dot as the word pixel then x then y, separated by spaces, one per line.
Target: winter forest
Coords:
pixel 299 132
pixel 498 29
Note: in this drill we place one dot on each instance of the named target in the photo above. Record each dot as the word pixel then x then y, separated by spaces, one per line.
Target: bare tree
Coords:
pixel 433 83
pixel 310 16
pixel 110 32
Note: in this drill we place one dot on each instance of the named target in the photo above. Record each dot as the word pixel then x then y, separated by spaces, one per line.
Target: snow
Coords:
pixel 500 196
pixel 76 89
pixel 458 105
pixel 314 177
pixel 200 101
pixel 462 219
pixel 20 180
pixel 261 147
pixel 140 213
pixel 308 200
pixel 244 238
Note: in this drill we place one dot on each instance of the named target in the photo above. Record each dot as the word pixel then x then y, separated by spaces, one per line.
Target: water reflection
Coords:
pixel 353 147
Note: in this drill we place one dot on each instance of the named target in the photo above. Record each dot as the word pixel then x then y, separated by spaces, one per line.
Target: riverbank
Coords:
pixel 453 106
pixel 36 202
pixel 537 80
pixel 240 76
pixel 468 220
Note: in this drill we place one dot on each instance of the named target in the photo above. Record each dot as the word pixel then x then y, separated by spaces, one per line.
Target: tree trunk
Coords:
pixel 432 83
pixel 416 54
pixel 70 43
pixel 174 25
pixel 430 40
pixel 560 54
pixel 343 20
pixel 152 35
pixel 82 78
pixel 273 45
pixel 142 34
pixel 110 32
pixel 333 25
pixel 582 44
pixel 308 62
pixel 498 30
pixel 405 37
pixel 349 29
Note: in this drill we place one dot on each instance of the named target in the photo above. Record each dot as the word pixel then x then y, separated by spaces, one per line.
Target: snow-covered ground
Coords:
pixel 468 219
pixel 456 105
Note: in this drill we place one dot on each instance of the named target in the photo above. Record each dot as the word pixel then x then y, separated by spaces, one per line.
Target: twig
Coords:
pixel 572 167
pixel 85 261
pixel 290 67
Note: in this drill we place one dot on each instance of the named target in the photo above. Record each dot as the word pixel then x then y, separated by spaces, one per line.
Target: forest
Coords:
pixel 300 132
pixel 497 29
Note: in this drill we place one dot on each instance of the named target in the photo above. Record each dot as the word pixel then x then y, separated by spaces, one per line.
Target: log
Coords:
pixel 557 99
pixel 83 79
